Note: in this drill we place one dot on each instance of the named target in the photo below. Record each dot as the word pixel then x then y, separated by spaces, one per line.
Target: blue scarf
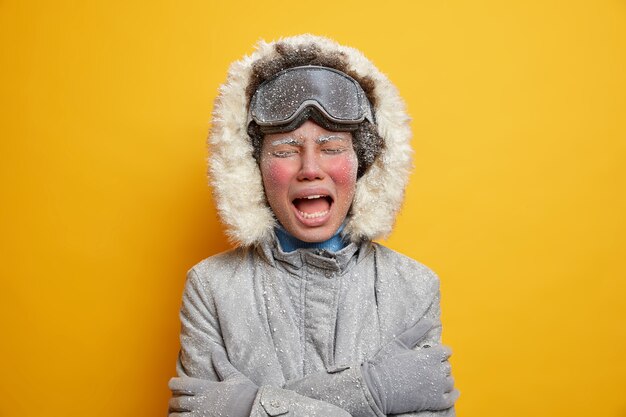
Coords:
pixel 290 243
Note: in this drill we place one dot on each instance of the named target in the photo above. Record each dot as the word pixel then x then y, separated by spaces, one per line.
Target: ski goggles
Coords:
pixel 281 103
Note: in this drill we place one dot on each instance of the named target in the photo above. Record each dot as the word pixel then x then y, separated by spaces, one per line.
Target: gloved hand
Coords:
pixel 232 397
pixel 403 380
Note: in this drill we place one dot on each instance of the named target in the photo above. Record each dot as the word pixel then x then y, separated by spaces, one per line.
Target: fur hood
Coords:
pixel 235 175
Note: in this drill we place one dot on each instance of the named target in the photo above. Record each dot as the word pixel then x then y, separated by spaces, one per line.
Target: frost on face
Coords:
pixel 309 178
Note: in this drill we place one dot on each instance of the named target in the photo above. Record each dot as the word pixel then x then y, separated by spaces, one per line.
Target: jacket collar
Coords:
pixel 329 263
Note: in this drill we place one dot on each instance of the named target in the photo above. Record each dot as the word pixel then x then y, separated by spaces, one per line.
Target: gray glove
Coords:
pixel 232 397
pixel 403 380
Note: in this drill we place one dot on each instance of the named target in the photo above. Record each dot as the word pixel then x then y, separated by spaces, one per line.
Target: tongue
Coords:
pixel 310 206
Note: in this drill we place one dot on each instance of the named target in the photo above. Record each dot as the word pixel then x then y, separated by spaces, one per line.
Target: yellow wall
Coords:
pixel 517 200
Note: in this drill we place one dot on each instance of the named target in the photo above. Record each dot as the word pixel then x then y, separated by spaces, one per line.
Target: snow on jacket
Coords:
pixel 286 319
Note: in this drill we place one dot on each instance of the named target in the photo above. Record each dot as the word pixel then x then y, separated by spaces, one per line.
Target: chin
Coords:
pixel 315 235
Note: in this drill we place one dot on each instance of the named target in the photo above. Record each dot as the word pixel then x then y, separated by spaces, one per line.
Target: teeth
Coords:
pixel 311 197
pixel 313 215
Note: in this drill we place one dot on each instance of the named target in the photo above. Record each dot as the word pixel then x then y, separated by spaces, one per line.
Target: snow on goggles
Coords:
pixel 279 102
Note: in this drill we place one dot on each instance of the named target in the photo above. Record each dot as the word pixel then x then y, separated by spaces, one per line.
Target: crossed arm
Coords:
pixel 411 375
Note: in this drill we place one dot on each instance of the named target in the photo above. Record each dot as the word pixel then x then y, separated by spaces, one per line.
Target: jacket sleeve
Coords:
pixel 200 334
pixel 433 338
pixel 343 387
pixel 346 388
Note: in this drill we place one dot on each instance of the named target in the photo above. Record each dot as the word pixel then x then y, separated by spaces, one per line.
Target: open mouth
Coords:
pixel 313 206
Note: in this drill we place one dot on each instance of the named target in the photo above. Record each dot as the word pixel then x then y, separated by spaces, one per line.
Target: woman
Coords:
pixel 310 156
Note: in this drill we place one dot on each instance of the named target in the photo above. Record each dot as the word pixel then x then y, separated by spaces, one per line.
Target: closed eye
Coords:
pixel 284 154
pixel 333 151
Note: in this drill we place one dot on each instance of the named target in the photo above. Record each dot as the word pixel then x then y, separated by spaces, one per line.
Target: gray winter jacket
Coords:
pixel 299 324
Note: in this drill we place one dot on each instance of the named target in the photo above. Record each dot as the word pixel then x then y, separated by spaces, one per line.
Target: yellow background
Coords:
pixel 517 199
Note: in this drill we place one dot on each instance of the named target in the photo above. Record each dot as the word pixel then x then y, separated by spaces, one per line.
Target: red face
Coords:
pixel 309 176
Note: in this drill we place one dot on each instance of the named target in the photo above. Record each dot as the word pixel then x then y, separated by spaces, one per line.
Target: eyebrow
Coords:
pixel 287 141
pixel 324 139
pixel 295 142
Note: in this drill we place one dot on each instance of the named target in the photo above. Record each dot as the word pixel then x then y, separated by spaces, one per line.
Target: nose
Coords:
pixel 310 168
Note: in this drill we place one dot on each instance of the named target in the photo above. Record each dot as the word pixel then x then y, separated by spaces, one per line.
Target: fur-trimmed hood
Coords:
pixel 235 175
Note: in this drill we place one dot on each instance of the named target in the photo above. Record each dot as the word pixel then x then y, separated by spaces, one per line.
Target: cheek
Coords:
pixel 276 174
pixel 344 170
